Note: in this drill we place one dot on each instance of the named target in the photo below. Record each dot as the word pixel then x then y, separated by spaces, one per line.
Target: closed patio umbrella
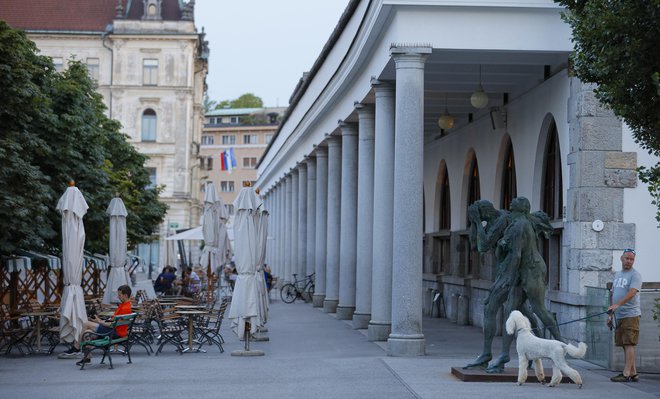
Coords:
pixel 72 206
pixel 261 221
pixel 245 307
pixel 117 246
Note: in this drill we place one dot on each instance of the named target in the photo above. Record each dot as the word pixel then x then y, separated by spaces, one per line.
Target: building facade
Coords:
pixel 245 132
pixel 150 63
pixel 414 111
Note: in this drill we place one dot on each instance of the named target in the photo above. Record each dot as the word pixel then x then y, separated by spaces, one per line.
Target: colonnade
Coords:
pixel 351 212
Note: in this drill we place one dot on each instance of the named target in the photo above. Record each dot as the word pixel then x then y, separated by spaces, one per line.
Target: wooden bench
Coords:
pixel 105 342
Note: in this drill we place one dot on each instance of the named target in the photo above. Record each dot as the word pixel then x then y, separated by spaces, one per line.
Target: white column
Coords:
pixel 348 228
pixel 287 229
pixel 294 224
pixel 381 293
pixel 302 219
pixel 311 214
pixel 407 338
pixel 365 216
pixel 334 196
pixel 282 225
pixel 320 249
pixel 275 268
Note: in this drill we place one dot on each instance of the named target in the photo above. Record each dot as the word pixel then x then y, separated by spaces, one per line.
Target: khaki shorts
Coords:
pixel 627 331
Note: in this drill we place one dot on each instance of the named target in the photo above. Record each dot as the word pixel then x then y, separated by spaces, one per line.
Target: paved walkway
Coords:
pixel 310 355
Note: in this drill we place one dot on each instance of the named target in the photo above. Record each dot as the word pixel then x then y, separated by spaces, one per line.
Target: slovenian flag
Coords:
pixel 227 160
pixel 223 163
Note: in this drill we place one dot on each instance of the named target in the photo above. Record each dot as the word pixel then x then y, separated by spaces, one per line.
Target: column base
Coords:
pixel 330 305
pixel 345 312
pixel 361 320
pixel 379 332
pixel 317 300
pixel 406 345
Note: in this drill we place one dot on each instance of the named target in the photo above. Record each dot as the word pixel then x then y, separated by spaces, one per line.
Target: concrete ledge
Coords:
pixel 378 332
pixel 361 320
pixel 330 305
pixel 345 312
pixel 510 374
pixel 406 346
pixel 317 300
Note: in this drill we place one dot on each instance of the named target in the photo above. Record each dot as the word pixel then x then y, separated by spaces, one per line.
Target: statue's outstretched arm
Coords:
pixel 487 237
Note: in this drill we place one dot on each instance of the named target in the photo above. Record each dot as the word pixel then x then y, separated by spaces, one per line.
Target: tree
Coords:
pixel 54 130
pixel 25 111
pixel 209 105
pixel 616 48
pixel 247 100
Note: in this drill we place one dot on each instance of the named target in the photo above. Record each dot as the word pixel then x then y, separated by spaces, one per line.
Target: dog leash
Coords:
pixel 576 320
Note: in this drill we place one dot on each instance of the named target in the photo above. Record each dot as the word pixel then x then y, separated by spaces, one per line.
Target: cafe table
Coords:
pixel 191 314
pixel 38 315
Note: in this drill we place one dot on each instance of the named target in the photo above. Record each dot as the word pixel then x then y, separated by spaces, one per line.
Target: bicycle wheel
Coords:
pixel 288 293
pixel 310 290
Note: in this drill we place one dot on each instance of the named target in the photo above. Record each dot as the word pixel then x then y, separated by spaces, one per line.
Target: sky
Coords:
pixel 263 46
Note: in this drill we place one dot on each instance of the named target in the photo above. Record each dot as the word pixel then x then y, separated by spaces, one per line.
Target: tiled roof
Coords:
pixel 73 15
pixel 233 111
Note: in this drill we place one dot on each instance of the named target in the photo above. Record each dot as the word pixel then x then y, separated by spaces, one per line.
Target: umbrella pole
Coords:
pixel 247 336
pixel 246 351
pixel 209 283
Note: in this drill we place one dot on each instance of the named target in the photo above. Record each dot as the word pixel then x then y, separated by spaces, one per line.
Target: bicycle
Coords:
pixel 292 291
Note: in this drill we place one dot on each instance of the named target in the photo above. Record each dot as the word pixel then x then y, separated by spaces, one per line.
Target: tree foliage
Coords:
pixel 247 100
pixel 54 130
pixel 616 48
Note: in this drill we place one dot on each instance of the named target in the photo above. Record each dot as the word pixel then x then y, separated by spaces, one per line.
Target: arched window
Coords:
pixel 474 188
pixel 149 125
pixel 474 194
pixel 509 188
pixel 553 206
pixel 441 246
pixel 552 185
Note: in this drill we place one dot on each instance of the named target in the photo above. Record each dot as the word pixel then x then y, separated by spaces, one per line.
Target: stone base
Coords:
pixel 379 332
pixel 330 305
pixel 247 353
pixel 510 374
pixel 317 300
pixel 361 320
pixel 345 312
pixel 402 346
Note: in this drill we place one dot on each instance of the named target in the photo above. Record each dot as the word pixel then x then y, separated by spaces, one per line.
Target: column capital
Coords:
pixel 321 151
pixel 382 87
pixel 364 110
pixel 347 128
pixel 410 56
pixel 334 141
pixel 419 49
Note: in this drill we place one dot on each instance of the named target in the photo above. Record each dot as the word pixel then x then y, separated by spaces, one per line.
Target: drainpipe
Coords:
pixel 104 36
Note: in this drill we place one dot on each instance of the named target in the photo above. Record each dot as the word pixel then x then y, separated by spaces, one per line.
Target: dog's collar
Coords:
pixel 521 329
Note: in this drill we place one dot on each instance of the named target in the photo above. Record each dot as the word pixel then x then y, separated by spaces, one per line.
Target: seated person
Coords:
pixel 102 327
pixel 231 274
pixel 191 283
pixel 163 283
pixel 269 277
pixel 201 273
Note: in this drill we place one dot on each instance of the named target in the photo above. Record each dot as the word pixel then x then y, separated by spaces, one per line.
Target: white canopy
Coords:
pixel 245 304
pixel 194 234
pixel 72 206
pixel 118 273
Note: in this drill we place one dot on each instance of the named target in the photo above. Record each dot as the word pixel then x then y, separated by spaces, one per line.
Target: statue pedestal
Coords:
pixel 510 374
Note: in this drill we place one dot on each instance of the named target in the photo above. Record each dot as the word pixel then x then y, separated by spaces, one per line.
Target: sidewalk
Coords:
pixel 311 354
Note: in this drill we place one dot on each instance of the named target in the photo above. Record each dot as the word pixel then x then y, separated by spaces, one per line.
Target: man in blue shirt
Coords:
pixel 624 298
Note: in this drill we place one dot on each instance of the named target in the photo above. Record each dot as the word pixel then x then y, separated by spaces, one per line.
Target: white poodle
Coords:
pixel 531 347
